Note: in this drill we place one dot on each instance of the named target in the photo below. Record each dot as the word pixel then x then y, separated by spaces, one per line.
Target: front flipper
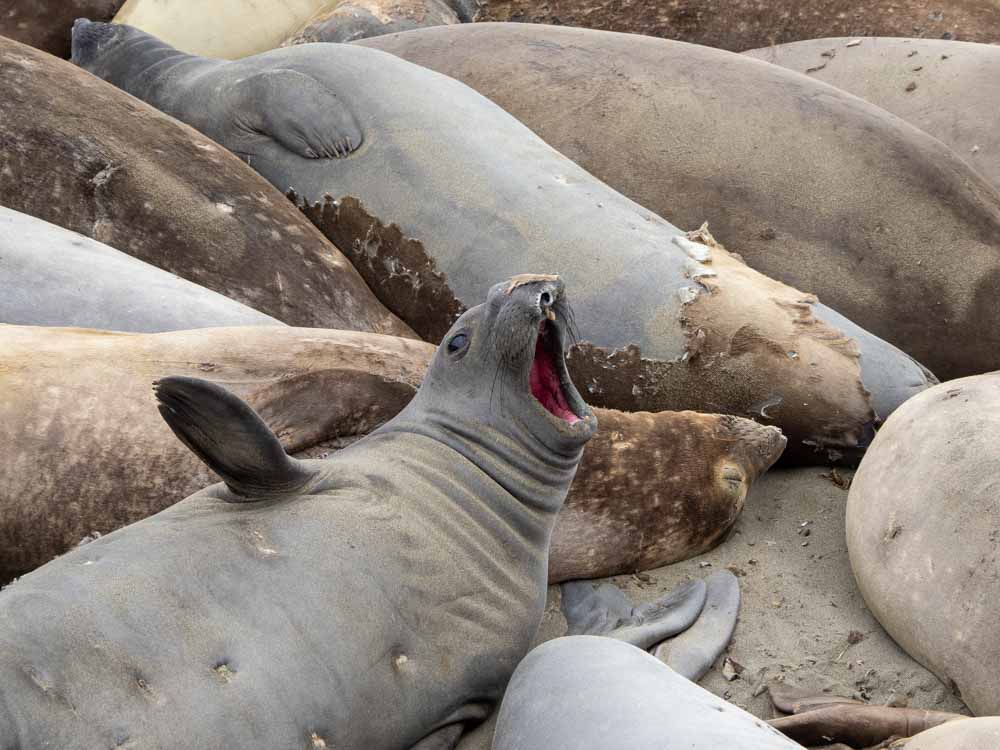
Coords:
pixel 298 112
pixel 229 437
pixel 693 652
pixel 606 611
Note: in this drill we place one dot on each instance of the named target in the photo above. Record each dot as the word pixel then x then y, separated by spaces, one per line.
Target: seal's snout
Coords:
pixel 87 38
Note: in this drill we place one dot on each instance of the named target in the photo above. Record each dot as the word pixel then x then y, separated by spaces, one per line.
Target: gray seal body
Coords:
pixel 377 599
pixel 433 202
pixel 594 693
pixel 51 276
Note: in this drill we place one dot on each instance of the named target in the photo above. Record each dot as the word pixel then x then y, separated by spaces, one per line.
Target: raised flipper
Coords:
pixel 606 611
pixel 298 112
pixel 229 437
pixel 693 652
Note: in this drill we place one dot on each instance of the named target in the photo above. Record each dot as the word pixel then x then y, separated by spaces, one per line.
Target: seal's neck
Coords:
pixel 535 475
pixel 138 63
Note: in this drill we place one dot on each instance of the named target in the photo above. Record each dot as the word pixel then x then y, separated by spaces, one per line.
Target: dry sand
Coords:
pixel 800 605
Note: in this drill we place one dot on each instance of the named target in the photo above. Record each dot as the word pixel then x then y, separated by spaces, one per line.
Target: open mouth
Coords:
pixel 548 378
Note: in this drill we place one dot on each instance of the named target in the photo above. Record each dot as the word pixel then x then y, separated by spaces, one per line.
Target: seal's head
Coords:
pixel 502 364
pixel 90 39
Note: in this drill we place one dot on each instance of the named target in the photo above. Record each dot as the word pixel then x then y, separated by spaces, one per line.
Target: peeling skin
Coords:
pixel 729 363
pixel 406 276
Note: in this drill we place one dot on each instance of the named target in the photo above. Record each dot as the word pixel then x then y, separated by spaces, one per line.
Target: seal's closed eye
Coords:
pixel 229 436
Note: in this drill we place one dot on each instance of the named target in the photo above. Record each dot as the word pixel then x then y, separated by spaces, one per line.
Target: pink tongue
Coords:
pixel 545 386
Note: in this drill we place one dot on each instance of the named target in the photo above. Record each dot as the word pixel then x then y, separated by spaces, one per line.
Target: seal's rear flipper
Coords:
pixel 229 437
pixel 606 611
pixel 693 653
pixel 298 112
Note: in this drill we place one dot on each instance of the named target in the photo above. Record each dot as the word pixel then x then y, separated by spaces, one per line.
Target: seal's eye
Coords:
pixel 545 299
pixel 458 342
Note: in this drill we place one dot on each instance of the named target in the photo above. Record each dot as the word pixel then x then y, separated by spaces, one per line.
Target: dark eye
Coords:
pixel 458 342
pixel 545 299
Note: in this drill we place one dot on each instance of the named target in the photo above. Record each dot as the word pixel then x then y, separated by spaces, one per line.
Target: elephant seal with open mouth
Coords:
pixel 380 598
pixel 432 204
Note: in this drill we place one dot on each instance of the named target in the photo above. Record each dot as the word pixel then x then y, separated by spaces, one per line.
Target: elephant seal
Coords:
pixel 737 25
pixel 652 488
pixel 45 24
pixel 286 606
pixel 348 20
pixel 832 195
pixel 923 533
pixel 967 734
pixel 947 89
pixel 593 693
pixel 82 155
pixel 226 29
pixel 54 277
pixel 700 330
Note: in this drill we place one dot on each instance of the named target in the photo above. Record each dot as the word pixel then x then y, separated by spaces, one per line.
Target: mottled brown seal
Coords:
pixel 831 195
pixel 923 533
pixel 949 90
pixel 431 214
pixel 652 488
pixel 84 156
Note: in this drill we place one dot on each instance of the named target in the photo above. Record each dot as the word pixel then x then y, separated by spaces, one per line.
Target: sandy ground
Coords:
pixel 801 608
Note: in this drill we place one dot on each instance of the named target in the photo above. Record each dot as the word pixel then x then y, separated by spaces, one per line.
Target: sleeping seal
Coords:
pixel 54 277
pixel 431 208
pixel 380 598
pixel 594 693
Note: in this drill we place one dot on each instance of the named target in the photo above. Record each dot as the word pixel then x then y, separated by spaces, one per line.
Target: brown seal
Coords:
pixel 652 488
pixel 46 24
pixel 743 24
pixel 83 155
pixel 949 90
pixel 815 201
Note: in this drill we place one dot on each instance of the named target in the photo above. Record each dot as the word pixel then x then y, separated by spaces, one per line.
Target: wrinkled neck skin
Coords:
pixel 537 474
pixel 144 66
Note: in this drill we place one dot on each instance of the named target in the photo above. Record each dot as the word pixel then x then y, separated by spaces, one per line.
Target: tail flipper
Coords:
pixel 693 652
pixel 606 611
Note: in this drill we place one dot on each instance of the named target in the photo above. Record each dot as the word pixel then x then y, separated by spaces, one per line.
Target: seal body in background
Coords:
pixel 54 277
pixel 431 207
pixel 289 606
pixel 593 693
pixel 811 186
pixel 950 90
pixel 923 534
